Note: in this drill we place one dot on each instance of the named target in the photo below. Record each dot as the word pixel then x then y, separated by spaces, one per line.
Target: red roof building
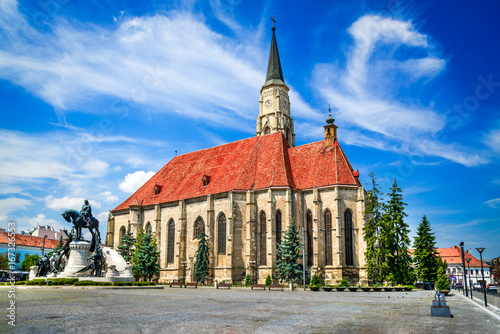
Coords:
pixel 25 245
pixel 453 256
pixel 245 194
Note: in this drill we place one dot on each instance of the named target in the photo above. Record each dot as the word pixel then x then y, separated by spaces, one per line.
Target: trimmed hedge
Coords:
pixel 52 281
pixel 133 283
pixel 89 282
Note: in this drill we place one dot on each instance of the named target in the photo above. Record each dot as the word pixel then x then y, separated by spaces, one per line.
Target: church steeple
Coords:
pixel 274 112
pixel 274 71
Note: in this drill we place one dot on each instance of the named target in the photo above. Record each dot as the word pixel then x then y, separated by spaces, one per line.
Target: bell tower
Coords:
pixel 274 113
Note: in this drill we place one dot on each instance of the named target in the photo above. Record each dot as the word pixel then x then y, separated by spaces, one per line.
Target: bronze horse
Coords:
pixel 73 216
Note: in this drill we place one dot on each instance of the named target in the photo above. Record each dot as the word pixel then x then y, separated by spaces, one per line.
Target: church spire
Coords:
pixel 274 71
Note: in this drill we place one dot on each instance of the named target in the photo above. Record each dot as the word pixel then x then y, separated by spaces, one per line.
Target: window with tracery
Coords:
pixel 309 236
pixel 171 241
pixel 348 231
pixel 278 227
pixel 221 234
pixel 263 232
pixel 328 238
pixel 199 225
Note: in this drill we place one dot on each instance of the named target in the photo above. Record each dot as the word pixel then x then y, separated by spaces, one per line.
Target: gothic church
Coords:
pixel 244 194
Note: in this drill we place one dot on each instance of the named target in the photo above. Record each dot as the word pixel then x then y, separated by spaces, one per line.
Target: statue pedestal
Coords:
pixel 33 271
pixel 79 253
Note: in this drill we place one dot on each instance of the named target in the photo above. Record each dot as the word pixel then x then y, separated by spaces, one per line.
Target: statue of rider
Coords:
pixel 86 212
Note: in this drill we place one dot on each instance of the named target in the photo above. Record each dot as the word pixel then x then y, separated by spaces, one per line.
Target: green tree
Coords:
pixel 138 240
pixel 248 280
pixel 442 281
pixel 202 258
pixel 269 280
pixel 4 261
pixel 315 281
pixel 425 257
pixel 146 255
pixel 288 255
pixel 126 246
pixel 395 235
pixel 29 261
pixel 375 255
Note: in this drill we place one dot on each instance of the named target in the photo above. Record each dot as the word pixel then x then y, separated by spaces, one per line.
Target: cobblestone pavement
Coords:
pixel 204 310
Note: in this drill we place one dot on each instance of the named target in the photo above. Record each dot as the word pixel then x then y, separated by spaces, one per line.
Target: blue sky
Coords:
pixel 96 97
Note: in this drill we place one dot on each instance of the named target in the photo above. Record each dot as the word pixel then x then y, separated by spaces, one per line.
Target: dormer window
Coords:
pixel 157 189
pixel 205 180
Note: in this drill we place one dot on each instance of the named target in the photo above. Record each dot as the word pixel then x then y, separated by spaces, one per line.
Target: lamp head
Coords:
pixel 468 260
pixel 480 250
pixel 462 244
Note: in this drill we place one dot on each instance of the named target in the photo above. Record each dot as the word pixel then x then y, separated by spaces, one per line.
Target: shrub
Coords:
pixel 269 280
pixel 344 283
pixel 20 282
pixel 84 283
pixel 248 280
pixel 315 281
pixel 122 283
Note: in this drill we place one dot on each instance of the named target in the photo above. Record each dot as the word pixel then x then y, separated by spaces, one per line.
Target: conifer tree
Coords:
pixel 288 255
pixel 146 255
pixel 269 280
pixel 202 258
pixel 138 240
pixel 126 246
pixel 59 246
pixel 376 263
pixel 395 234
pixel 426 262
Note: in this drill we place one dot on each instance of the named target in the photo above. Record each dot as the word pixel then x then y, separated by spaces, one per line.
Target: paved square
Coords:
pixel 207 310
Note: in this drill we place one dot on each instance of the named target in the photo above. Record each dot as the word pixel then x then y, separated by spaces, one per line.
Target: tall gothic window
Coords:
pixel 278 228
pixel 349 259
pixel 122 233
pixel 263 233
pixel 328 238
pixel 267 130
pixel 309 236
pixel 199 225
pixel 221 234
pixel 148 227
pixel 170 241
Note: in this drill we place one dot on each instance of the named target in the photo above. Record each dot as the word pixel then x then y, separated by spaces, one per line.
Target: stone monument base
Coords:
pixel 78 259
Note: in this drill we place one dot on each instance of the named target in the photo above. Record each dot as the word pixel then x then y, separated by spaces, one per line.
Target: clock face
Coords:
pixel 285 103
pixel 268 103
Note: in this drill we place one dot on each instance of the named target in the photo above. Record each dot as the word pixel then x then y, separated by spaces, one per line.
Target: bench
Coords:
pixel 224 285
pixel 263 286
pixel 276 286
pixel 179 284
pixel 191 284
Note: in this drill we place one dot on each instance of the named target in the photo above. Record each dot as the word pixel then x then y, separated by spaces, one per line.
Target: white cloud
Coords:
pixel 492 140
pixel 109 197
pixel 65 203
pixel 172 62
pixel 493 203
pixel 8 205
pixel 134 181
pixel 364 93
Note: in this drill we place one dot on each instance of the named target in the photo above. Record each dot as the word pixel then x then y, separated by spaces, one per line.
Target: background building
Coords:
pixel 453 256
pixel 26 245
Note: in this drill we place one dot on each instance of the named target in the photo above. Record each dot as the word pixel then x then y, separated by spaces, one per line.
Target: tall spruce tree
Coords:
pixel 376 263
pixel 288 255
pixel 126 246
pixel 202 258
pixel 146 255
pixel 395 235
pixel 425 258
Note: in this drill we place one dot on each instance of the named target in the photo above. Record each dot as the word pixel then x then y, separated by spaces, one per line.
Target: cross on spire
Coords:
pixel 274 21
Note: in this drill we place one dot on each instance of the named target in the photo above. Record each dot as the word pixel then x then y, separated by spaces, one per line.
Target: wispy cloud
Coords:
pixel 365 91
pixel 493 203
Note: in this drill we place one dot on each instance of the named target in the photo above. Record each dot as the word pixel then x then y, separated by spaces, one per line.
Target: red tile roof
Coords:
pixel 453 255
pixel 29 240
pixel 255 163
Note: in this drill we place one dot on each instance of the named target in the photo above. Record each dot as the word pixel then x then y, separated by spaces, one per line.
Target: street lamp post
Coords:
pixel 184 264
pixel 468 269
pixel 252 265
pixel 481 250
pixel 463 266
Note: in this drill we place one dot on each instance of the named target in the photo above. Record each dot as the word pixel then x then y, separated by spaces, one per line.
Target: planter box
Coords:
pixel 408 289
pixel 398 288
pixel 366 289
pixel 340 289
pixel 377 289
pixel 314 288
pixel 388 289
pixel 353 289
pixel 326 288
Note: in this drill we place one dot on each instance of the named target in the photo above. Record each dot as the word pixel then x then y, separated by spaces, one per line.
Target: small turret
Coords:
pixel 330 130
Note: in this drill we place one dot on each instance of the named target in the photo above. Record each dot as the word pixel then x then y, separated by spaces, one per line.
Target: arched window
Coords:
pixel 199 225
pixel 349 259
pixel 278 227
pixel 267 130
pixel 328 238
pixel 309 236
pixel 148 227
pixel 170 241
pixel 121 233
pixel 221 234
pixel 18 257
pixel 263 233
pixel 287 134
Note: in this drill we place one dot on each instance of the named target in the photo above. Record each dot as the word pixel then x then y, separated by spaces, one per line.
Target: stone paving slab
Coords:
pixel 239 311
